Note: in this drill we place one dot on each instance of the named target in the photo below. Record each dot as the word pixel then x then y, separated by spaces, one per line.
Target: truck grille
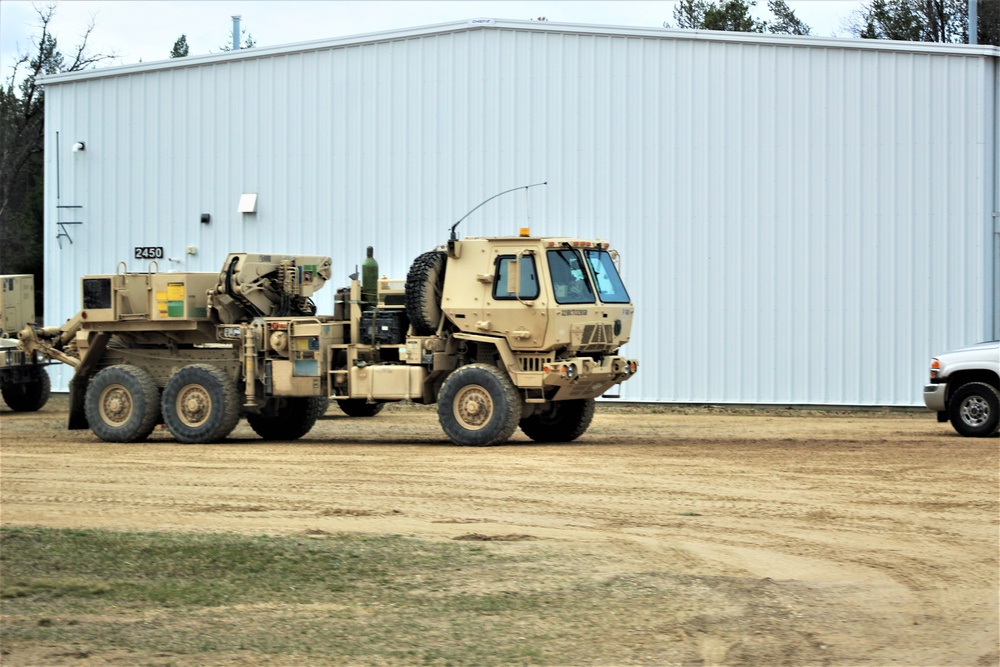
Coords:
pixel 534 363
pixel 596 337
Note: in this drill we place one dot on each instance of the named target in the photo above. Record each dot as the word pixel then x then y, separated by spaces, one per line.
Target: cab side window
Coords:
pixel 528 274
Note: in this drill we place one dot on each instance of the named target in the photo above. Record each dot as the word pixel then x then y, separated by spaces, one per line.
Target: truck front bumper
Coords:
pixel 583 377
pixel 934 396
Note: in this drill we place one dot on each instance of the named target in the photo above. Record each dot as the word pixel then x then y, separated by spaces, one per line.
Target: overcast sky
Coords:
pixel 145 30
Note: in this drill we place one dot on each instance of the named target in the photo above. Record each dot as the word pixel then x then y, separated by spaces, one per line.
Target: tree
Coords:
pixel 22 140
pixel 248 41
pixel 180 49
pixel 945 21
pixel 736 16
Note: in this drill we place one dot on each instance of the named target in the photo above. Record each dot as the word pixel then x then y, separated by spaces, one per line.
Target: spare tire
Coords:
pixel 424 284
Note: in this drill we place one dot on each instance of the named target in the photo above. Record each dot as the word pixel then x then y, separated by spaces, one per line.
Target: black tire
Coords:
pixel 292 420
pixel 359 407
pixel 479 406
pixel 28 396
pixel 200 404
pixel 122 404
pixel 561 421
pixel 424 283
pixel 974 409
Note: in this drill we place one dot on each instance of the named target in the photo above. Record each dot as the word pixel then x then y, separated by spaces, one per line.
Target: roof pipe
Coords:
pixel 973 22
pixel 236 33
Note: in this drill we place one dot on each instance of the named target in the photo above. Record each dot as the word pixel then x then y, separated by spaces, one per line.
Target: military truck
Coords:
pixel 24 383
pixel 499 332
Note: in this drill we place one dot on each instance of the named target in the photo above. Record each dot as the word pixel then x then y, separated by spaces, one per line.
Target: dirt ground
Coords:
pixel 882 525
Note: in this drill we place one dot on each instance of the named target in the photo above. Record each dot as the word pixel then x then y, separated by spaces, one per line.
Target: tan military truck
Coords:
pixel 24 383
pixel 499 332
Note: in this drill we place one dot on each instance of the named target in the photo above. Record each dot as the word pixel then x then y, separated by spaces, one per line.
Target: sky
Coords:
pixel 145 30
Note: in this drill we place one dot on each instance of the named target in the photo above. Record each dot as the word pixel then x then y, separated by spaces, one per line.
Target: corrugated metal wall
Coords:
pixel 801 221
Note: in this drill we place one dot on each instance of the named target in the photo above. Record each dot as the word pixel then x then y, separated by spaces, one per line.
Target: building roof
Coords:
pixel 530 26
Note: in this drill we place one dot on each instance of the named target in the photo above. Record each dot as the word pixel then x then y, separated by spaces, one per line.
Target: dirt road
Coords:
pixel 879 530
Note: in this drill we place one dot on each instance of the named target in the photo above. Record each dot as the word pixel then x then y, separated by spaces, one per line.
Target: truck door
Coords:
pixel 512 304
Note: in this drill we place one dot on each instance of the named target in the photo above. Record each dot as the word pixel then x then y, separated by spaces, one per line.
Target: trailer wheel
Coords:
pixel 975 410
pixel 122 404
pixel 561 421
pixel 28 396
pixel 292 420
pixel 359 407
pixel 200 404
pixel 424 283
pixel 478 405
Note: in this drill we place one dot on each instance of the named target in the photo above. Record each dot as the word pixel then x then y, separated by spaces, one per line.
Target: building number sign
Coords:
pixel 149 252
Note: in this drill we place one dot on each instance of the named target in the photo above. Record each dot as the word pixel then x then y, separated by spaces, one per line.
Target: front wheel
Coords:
pixel 292 420
pixel 28 396
pixel 478 405
pixel 122 404
pixel 974 409
pixel 560 421
pixel 200 404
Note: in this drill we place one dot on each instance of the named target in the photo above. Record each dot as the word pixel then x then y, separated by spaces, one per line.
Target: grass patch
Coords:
pixel 172 598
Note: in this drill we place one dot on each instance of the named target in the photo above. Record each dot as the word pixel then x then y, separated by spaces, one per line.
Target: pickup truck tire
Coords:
pixel 292 420
pixel 359 407
pixel 200 404
pixel 122 404
pixel 975 410
pixel 28 396
pixel 479 406
pixel 424 283
pixel 561 421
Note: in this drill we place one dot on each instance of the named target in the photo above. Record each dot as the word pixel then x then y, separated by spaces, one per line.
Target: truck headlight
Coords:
pixel 935 369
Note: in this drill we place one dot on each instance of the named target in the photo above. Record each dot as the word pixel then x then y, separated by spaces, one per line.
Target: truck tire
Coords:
pixel 479 406
pixel 200 404
pixel 974 409
pixel 28 396
pixel 292 420
pixel 561 421
pixel 359 407
pixel 122 404
pixel 424 283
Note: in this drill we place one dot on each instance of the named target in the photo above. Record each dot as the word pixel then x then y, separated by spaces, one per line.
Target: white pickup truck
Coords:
pixel 965 389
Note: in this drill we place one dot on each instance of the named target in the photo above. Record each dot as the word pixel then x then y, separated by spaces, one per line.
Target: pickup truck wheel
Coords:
pixel 359 407
pixel 28 396
pixel 122 404
pixel 975 410
pixel 200 404
pixel 292 420
pixel 478 405
pixel 561 421
pixel 424 283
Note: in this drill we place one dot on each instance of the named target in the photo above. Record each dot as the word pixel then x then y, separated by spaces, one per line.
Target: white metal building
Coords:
pixel 801 220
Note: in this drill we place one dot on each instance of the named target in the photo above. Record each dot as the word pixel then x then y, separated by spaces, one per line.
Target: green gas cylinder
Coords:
pixel 369 279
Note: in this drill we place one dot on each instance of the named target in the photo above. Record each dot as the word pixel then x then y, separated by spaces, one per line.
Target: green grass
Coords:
pixel 198 599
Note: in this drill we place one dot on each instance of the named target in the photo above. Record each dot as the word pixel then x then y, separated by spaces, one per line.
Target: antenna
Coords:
pixel 454 237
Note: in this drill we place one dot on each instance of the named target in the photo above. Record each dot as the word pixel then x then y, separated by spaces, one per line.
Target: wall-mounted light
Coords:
pixel 79 146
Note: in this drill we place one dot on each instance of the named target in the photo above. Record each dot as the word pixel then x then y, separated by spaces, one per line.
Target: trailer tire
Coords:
pixel 975 410
pixel 562 421
pixel 122 404
pixel 200 404
pixel 479 406
pixel 359 407
pixel 28 396
pixel 292 420
pixel 424 283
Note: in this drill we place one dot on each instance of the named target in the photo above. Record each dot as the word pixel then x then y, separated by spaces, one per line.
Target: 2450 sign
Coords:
pixel 149 252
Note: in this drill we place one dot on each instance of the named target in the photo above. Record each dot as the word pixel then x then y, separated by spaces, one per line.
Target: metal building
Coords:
pixel 801 220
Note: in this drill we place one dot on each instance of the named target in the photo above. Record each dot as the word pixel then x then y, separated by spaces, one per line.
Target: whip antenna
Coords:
pixel 454 237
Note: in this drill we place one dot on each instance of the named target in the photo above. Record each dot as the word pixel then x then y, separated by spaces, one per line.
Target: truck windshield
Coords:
pixel 569 277
pixel 609 284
